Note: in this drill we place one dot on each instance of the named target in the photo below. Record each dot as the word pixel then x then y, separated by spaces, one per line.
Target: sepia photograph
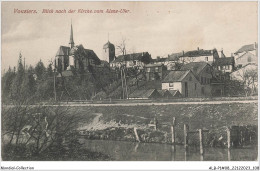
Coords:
pixel 129 81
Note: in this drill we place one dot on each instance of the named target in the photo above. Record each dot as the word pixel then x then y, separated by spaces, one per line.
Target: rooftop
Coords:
pixel 175 56
pixel 175 76
pixel 195 67
pixel 129 57
pixel 142 93
pixel 225 61
pixel 63 51
pixel 247 48
pixel 108 45
pixel 196 53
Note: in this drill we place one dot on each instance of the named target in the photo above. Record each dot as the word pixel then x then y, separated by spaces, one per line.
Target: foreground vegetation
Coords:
pixel 42 133
pixel 117 122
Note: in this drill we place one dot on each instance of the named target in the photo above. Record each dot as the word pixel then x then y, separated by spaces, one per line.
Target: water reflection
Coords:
pixel 131 151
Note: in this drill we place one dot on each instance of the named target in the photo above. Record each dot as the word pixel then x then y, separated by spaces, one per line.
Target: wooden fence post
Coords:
pixel 156 124
pixel 186 129
pixel 173 130
pixel 241 135
pixel 136 134
pixel 201 141
pixel 228 138
pixel 229 156
pixel 173 152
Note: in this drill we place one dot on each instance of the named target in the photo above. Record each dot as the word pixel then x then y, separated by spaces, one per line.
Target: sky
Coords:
pixel 160 28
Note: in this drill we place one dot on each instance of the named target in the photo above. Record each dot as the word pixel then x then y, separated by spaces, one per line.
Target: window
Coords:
pixel 190 79
pixel 170 84
pixel 219 68
pixel 206 58
pixel 156 69
pixel 228 67
pixel 148 69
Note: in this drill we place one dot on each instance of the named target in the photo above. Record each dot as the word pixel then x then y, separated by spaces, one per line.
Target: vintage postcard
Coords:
pixel 129 81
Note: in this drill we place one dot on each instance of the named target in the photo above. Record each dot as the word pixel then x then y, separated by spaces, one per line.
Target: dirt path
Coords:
pixel 149 104
pixel 159 104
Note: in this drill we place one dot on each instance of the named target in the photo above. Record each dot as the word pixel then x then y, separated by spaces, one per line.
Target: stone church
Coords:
pixel 77 57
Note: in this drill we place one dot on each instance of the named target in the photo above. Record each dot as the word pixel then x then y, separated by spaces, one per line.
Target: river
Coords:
pixel 132 151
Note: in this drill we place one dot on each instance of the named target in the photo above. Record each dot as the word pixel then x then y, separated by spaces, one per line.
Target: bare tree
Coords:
pixel 38 128
pixel 248 77
pixel 122 50
pixel 122 47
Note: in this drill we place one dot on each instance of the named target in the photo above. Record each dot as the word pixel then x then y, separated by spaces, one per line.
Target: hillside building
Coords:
pixel 109 52
pixel 74 56
pixel 247 54
pixel 225 64
pixel 137 60
pixel 183 81
pixel 154 71
pixel 199 55
pixel 203 72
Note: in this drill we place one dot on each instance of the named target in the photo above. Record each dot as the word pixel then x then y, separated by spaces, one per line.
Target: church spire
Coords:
pixel 71 37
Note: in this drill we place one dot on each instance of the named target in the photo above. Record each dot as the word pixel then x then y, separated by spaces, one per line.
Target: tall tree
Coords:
pixel 7 81
pixel 40 70
pixel 18 80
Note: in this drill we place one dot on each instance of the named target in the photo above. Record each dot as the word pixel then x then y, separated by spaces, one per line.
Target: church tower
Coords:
pixel 71 37
pixel 109 52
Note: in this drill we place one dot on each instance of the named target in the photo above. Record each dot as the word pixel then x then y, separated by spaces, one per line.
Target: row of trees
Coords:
pixel 43 132
pixel 32 84
pixel 22 84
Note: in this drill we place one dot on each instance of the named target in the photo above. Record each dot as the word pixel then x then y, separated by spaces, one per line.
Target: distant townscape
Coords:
pixel 78 73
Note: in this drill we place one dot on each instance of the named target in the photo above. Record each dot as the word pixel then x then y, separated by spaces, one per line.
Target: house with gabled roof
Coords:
pixel 225 64
pixel 132 60
pixel 154 71
pixel 160 60
pixel 247 54
pixel 247 75
pixel 173 61
pixel 204 73
pixel 199 55
pixel 184 81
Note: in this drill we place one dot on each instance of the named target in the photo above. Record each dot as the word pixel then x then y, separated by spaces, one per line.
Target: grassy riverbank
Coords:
pixel 117 122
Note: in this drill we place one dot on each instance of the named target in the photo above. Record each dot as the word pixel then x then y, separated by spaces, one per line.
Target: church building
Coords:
pixel 109 52
pixel 75 56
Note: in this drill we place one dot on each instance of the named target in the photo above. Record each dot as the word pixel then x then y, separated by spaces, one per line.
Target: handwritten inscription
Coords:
pixel 71 11
pixel 86 11
pixel 25 11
